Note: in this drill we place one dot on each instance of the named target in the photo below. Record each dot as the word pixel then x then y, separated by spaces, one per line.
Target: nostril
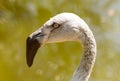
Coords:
pixel 38 35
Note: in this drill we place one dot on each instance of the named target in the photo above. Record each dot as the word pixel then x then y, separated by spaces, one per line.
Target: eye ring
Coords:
pixel 56 25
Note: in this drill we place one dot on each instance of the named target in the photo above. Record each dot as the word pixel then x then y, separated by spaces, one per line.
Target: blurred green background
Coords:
pixel 57 62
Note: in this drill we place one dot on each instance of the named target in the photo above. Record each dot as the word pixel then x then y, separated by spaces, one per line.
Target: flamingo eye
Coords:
pixel 56 25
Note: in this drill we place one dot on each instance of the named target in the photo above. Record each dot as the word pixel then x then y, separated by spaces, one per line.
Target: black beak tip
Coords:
pixel 29 64
pixel 32 46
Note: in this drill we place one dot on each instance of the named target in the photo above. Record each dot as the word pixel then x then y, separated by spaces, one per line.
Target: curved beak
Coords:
pixel 32 46
pixel 33 42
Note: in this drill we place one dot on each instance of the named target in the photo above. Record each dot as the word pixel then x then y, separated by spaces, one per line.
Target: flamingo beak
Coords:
pixel 32 46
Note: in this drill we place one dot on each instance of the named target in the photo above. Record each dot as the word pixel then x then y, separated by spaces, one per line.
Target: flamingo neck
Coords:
pixel 84 69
